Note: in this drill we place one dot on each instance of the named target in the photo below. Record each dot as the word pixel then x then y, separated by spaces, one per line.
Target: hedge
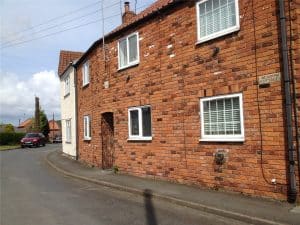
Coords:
pixel 10 138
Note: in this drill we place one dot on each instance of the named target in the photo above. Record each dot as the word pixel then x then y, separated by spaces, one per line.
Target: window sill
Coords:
pixel 87 139
pixel 67 95
pixel 68 142
pixel 128 66
pixel 85 85
pixel 139 139
pixel 217 35
pixel 222 139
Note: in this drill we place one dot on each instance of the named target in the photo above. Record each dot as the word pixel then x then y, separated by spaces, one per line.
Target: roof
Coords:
pixel 65 58
pixel 25 123
pixel 145 14
pixel 53 125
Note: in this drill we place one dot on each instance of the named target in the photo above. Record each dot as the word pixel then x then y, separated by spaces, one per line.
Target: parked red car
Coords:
pixel 33 139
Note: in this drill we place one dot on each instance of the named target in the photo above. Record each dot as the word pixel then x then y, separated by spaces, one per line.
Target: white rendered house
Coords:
pixel 67 75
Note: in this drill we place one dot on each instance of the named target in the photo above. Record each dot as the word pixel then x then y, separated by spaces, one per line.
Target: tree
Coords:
pixel 9 128
pixel 44 125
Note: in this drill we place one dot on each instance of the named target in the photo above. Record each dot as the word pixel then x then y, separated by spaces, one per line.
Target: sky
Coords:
pixel 32 33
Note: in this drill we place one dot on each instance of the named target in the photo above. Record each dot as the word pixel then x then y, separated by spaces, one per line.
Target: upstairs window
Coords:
pixel 222 118
pixel 67 85
pixel 85 74
pixel 128 51
pixel 87 128
pixel 216 18
pixel 139 123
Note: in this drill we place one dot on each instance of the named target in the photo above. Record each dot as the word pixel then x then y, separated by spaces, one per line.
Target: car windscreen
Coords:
pixel 30 135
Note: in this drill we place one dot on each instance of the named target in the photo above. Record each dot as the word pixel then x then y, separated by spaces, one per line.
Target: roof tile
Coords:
pixel 65 58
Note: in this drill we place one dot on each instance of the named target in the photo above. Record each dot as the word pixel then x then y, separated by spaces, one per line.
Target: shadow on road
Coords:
pixel 150 212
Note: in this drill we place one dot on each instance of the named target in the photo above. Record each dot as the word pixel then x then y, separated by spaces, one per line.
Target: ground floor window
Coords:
pixel 222 118
pixel 68 131
pixel 87 127
pixel 139 123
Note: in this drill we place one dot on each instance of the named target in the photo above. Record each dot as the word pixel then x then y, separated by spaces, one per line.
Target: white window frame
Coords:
pixel 87 122
pixel 133 63
pixel 67 85
pixel 68 131
pixel 223 138
pixel 85 73
pixel 140 136
pixel 219 33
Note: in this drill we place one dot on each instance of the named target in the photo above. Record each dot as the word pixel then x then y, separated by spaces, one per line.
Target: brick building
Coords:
pixel 193 92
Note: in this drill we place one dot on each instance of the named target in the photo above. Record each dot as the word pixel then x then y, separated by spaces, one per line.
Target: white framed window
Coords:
pixel 222 118
pixel 85 73
pixel 87 128
pixel 216 18
pixel 67 85
pixel 128 51
pixel 139 123
pixel 68 131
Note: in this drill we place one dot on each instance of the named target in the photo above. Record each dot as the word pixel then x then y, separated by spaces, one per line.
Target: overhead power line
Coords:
pixel 62 23
pixel 64 30
pixel 58 17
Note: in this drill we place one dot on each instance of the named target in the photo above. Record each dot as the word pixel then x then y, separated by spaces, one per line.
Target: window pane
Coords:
pixel 123 53
pixel 89 127
pixel 202 9
pixel 221 127
pixel 146 118
pixel 134 122
pixel 224 17
pixel 216 4
pixel 206 106
pixel 237 128
pixel 232 16
pixel 236 103
pixel 132 48
pixel 206 117
pixel 206 129
pixel 209 27
pixel 202 26
pixel 85 126
pixel 213 105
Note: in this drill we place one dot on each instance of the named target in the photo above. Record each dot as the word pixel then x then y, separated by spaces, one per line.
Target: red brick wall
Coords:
pixel 295 23
pixel 173 87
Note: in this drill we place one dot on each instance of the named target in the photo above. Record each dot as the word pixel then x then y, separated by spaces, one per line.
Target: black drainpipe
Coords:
pixel 292 188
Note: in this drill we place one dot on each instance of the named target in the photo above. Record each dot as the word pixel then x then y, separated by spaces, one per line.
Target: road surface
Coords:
pixel 32 193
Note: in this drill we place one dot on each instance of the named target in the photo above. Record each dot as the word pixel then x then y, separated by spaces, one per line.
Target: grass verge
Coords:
pixel 8 147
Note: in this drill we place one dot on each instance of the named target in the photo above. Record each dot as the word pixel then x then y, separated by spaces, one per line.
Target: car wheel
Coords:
pixel 22 146
pixel 44 144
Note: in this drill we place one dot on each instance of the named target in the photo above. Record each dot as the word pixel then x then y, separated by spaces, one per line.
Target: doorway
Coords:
pixel 107 133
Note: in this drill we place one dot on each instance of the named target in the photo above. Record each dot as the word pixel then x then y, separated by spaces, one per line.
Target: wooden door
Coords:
pixel 107 133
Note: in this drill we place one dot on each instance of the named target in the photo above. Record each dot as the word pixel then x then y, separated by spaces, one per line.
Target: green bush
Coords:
pixel 7 138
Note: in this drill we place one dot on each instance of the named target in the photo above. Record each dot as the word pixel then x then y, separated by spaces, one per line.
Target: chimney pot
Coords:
pixel 127 6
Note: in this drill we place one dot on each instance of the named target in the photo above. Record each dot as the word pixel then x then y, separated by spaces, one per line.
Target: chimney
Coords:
pixel 37 115
pixel 127 15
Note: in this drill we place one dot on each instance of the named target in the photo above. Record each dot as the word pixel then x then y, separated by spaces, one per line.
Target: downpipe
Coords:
pixel 292 187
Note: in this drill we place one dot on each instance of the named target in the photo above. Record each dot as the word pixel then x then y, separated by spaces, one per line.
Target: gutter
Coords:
pixel 292 187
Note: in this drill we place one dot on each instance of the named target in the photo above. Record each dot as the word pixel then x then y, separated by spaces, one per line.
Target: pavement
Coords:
pixel 235 206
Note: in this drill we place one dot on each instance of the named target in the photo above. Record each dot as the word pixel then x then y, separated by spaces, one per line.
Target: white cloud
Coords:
pixel 17 95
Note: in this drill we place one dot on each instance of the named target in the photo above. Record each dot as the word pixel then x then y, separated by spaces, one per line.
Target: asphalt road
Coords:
pixel 32 193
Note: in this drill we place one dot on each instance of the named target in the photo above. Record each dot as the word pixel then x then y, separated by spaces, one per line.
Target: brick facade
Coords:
pixel 173 74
